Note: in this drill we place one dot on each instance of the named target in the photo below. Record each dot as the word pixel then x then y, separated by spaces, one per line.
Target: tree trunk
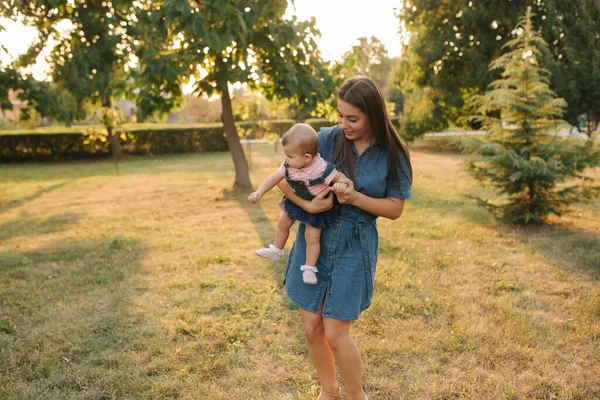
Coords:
pixel 242 178
pixel 113 141
pixel 115 144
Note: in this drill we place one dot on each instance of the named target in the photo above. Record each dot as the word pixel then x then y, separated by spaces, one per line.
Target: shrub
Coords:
pixel 538 173
pixel 65 143
pixel 59 143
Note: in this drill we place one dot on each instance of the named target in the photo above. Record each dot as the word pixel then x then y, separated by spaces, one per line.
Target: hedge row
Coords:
pixel 143 139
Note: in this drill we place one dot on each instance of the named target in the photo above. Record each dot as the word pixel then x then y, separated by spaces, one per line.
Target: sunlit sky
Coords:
pixel 341 23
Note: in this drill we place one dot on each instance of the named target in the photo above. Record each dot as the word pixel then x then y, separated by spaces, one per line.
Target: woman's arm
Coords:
pixel 387 207
pixel 319 204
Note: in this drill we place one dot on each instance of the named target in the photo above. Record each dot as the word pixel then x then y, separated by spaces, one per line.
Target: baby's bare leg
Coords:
pixel 283 231
pixel 312 236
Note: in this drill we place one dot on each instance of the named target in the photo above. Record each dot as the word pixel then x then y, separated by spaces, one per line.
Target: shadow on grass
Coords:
pixel 462 206
pixel 66 321
pixel 262 224
pixel 438 145
pixel 17 203
pixel 563 246
pixel 132 164
pixel 27 225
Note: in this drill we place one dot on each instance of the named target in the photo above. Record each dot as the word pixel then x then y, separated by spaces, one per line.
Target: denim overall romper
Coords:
pixel 300 187
pixel 321 220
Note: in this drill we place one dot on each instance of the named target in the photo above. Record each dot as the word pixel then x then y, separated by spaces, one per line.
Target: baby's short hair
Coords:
pixel 304 136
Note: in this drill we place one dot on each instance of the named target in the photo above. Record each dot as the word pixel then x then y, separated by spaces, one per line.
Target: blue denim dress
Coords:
pixel 349 247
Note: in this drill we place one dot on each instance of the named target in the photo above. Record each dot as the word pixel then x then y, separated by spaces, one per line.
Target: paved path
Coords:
pixel 564 132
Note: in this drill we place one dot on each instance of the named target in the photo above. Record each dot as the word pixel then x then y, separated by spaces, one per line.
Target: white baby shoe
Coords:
pixel 309 274
pixel 271 252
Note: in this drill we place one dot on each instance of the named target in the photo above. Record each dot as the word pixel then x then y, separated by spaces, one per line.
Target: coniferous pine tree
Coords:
pixel 539 173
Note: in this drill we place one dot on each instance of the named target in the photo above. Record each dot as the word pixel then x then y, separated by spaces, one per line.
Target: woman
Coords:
pixel 366 147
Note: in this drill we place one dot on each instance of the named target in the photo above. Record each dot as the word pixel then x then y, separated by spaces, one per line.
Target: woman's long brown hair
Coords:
pixel 364 93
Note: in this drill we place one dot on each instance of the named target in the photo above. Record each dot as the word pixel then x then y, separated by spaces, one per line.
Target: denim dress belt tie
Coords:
pixel 359 229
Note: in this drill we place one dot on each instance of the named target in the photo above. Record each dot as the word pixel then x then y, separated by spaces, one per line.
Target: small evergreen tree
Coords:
pixel 521 156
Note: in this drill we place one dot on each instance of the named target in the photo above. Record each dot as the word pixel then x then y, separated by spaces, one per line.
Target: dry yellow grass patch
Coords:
pixel 145 285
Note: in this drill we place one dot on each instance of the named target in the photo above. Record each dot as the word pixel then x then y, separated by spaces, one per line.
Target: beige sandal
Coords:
pixel 365 393
pixel 336 394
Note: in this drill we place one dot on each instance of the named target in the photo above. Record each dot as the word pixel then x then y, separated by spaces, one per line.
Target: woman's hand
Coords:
pixel 347 194
pixel 319 204
pixel 322 202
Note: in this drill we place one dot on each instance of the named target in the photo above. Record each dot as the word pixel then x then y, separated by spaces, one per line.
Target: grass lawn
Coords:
pixel 145 285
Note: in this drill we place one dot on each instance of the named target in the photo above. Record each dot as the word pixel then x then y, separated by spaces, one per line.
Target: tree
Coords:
pixel 50 99
pixel 451 42
pixel 200 109
pixel 8 77
pixel 287 109
pixel 397 98
pixel 520 156
pixel 90 61
pixel 223 42
pixel 575 67
pixel 368 57
pixel 248 106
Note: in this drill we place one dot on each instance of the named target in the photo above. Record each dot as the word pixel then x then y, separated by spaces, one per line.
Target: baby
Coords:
pixel 308 174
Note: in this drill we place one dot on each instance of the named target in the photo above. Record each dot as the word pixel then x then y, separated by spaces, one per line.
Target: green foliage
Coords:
pixel 8 77
pixel 420 103
pixel 199 109
pixel 134 139
pixel 420 114
pixel 452 42
pixel 223 42
pixel 520 156
pixel 99 137
pixel 117 242
pixel 574 67
pixel 90 60
pixel 248 106
pixel 113 120
pixel 318 123
pixel 233 41
pixel 93 143
pixel 51 100
pixel 288 109
pixel 368 56
pixel 397 98
pixel 269 130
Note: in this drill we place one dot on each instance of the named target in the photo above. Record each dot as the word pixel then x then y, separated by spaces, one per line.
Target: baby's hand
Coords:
pixel 254 197
pixel 339 187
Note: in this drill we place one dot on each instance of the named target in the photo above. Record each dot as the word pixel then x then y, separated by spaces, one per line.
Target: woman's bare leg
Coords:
pixel 318 349
pixel 347 356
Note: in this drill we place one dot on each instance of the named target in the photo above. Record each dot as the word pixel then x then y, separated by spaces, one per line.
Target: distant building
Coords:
pixel 173 117
pixel 14 115
pixel 128 108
